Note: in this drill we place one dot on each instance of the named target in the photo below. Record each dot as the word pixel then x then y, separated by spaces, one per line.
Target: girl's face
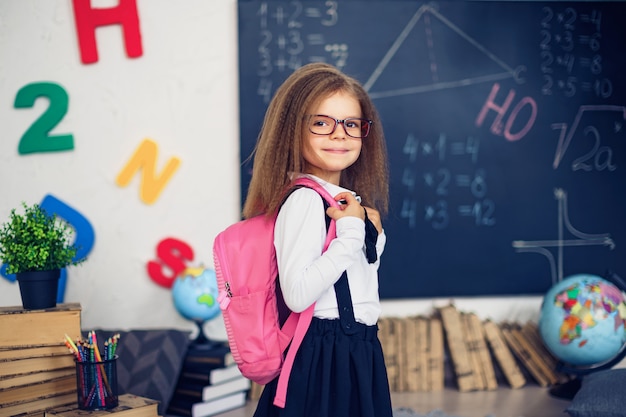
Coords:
pixel 326 155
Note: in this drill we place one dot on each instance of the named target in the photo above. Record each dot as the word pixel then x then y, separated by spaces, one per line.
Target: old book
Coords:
pixel 411 347
pixel 436 355
pixel 549 376
pixel 522 354
pixel 38 364
pixel 486 371
pixel 400 342
pixel 531 333
pixel 32 352
pixel 21 328
pixel 129 406
pixel 39 405
pixel 502 353
pixel 423 353
pixel 37 390
pixel 471 343
pixel 34 377
pixel 387 331
pixel 461 361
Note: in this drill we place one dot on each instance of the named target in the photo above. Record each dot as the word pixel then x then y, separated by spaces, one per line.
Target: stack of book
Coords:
pixel 526 345
pixel 37 370
pixel 470 355
pixel 414 353
pixel 516 349
pixel 210 382
pixel 416 349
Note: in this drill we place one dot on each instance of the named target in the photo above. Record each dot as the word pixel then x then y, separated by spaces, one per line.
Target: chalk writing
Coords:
pixel 571 52
pixel 487 107
pixel 582 239
pixel 282 42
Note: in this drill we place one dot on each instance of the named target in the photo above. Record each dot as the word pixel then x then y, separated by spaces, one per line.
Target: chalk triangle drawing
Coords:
pixel 443 66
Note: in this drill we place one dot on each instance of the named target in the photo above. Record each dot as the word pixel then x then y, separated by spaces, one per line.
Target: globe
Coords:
pixel 582 320
pixel 195 297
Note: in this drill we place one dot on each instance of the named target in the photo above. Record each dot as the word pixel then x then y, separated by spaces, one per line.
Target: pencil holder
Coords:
pixel 96 384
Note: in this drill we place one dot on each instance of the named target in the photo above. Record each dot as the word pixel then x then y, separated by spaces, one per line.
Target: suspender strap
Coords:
pixel 346 317
pixel 344 303
pixel 342 289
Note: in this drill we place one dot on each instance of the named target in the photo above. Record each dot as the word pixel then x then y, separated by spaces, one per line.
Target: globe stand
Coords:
pixel 566 390
pixel 201 342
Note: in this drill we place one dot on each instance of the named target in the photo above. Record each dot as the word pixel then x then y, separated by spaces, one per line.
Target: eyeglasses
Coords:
pixel 321 124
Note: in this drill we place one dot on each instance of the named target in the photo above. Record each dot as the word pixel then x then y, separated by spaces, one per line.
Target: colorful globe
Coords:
pixel 582 320
pixel 195 294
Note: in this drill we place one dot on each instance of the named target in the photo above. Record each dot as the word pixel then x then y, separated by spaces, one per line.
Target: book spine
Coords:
pixel 458 351
pixel 487 370
pixel 21 328
pixel 401 353
pixel 503 355
pixel 541 369
pixel 531 333
pixel 37 390
pixel 388 341
pixel 471 343
pixel 412 343
pixel 436 355
pixel 423 351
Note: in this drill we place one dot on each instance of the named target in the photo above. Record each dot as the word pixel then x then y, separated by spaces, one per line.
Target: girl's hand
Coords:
pixel 351 208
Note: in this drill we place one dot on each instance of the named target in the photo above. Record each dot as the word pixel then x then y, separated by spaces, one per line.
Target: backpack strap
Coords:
pixel 300 321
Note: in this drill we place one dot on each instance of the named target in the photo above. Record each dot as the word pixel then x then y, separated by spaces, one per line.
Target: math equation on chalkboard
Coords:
pixel 504 123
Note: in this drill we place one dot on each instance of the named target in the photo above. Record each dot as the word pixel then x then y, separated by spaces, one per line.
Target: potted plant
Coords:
pixel 35 246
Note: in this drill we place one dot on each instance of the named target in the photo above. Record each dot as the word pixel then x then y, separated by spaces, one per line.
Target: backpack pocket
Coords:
pixel 257 342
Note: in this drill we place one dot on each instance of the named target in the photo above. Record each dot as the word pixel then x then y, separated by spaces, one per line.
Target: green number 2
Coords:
pixel 38 138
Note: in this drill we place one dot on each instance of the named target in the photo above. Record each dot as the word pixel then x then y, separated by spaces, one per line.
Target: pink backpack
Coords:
pixel 246 270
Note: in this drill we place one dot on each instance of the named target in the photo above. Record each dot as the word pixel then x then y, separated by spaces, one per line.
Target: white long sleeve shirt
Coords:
pixel 306 275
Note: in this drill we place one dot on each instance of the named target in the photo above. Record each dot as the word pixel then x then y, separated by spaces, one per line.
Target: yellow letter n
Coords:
pixel 151 183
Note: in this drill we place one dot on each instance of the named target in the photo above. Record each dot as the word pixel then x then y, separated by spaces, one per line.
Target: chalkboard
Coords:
pixel 504 124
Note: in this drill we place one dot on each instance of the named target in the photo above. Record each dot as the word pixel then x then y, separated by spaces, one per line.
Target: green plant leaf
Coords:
pixel 36 241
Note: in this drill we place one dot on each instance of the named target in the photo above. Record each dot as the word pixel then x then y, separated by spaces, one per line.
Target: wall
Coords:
pixel 180 93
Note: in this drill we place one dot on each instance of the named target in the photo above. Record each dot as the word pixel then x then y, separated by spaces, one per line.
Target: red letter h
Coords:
pixel 88 19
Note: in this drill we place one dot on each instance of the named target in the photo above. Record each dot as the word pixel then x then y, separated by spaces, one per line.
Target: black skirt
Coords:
pixel 334 375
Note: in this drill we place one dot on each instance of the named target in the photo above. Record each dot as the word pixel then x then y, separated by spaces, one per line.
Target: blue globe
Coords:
pixel 582 320
pixel 195 294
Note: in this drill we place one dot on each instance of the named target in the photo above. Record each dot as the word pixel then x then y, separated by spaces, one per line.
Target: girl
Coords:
pixel 322 124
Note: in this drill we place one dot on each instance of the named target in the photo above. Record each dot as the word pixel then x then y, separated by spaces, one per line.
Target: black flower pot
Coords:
pixel 39 288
